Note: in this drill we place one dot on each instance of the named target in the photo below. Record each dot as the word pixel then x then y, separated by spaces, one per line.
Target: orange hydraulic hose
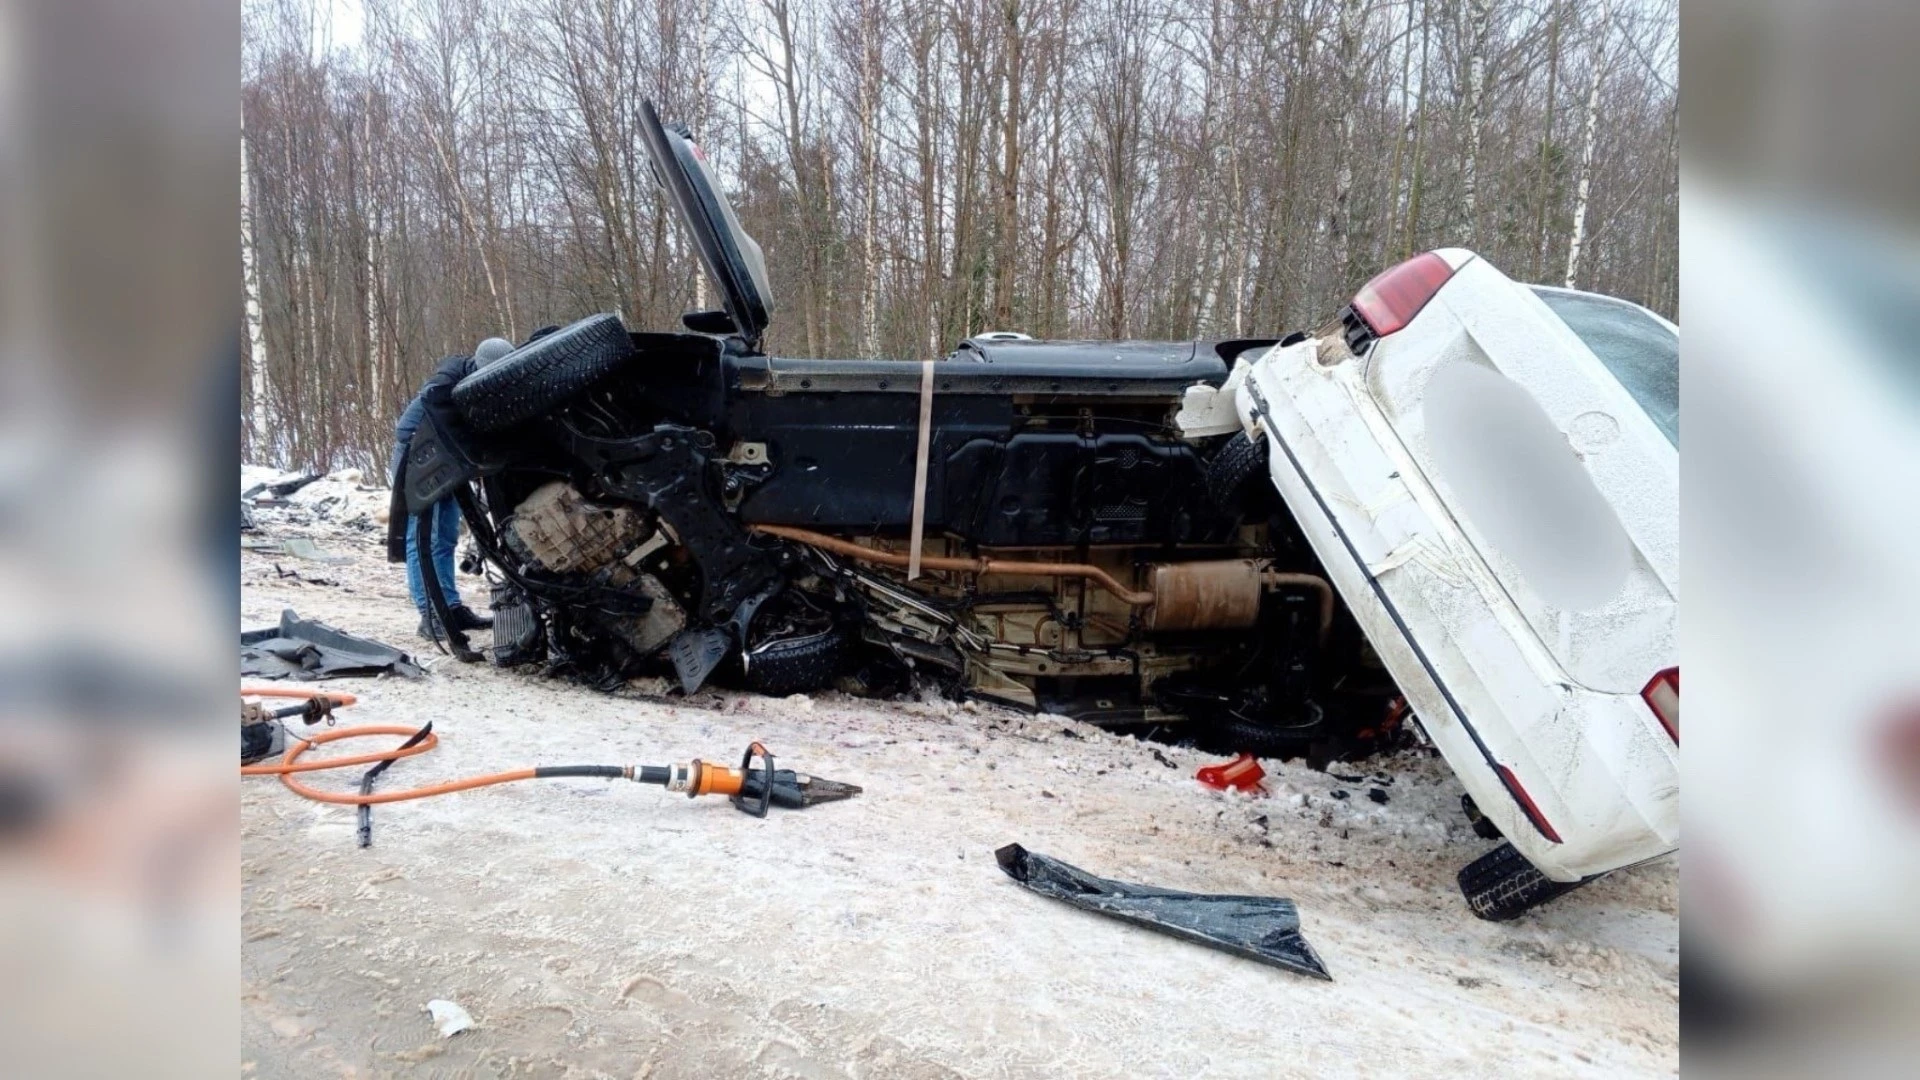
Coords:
pixel 340 697
pixel 968 566
pixel 301 745
pixel 290 763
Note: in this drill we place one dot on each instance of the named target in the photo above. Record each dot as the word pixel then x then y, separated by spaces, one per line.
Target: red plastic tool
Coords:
pixel 1241 774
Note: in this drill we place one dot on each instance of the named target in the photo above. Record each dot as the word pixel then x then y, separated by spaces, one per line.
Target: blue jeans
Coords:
pixel 446 536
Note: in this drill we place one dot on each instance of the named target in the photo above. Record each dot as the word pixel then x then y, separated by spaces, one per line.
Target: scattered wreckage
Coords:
pixel 1264 929
pixel 1231 532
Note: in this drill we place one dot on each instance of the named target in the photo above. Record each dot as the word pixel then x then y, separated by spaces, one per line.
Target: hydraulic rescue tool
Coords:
pixel 755 785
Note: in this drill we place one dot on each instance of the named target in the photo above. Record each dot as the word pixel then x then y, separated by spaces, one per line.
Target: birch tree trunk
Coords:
pixel 1417 185
pixel 1052 222
pixel 1583 189
pixel 787 92
pixel 1541 183
pixel 1352 25
pixel 376 364
pixel 703 32
pixel 1403 134
pixel 261 439
pixel 868 105
pixel 1013 58
pixel 1478 16
pixel 927 132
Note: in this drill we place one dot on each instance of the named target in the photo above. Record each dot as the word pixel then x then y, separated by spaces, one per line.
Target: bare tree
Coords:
pixel 1540 195
pixel 1479 33
pixel 1597 73
pixel 1353 14
pixel 918 170
pixel 1013 75
pixel 259 430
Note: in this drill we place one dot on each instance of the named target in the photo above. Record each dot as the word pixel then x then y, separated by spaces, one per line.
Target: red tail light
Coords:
pixel 1900 752
pixel 1391 300
pixel 1662 695
pixel 1526 803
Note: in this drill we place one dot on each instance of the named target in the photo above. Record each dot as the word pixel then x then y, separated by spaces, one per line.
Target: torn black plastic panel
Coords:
pixel 696 653
pixel 308 649
pixel 1262 928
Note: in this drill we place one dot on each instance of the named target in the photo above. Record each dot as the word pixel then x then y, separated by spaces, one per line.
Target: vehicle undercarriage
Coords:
pixel 683 503
pixel 702 511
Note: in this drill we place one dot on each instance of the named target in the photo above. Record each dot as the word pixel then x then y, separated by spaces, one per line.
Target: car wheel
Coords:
pixel 1502 885
pixel 1237 478
pixel 544 373
pixel 1272 740
pixel 796 665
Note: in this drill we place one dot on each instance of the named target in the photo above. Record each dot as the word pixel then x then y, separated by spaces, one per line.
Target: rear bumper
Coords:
pixel 1598 767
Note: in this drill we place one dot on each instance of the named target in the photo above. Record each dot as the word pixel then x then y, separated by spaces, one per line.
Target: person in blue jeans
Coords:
pixel 446 512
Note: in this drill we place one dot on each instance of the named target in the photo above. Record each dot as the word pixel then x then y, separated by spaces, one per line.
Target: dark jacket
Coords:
pixel 438 384
pixel 450 372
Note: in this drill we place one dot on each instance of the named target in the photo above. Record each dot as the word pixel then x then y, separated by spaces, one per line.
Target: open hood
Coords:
pixel 732 259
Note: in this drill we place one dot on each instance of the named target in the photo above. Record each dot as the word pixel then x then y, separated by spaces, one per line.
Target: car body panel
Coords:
pixel 1594 572
pixel 732 259
pixel 1489 689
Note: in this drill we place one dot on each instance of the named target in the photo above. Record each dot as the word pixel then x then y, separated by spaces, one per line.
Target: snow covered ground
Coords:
pixel 344 497
pixel 598 929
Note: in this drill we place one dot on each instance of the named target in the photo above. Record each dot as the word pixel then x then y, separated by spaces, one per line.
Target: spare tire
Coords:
pixel 543 374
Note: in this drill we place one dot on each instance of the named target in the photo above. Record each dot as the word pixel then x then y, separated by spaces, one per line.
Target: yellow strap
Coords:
pixel 920 470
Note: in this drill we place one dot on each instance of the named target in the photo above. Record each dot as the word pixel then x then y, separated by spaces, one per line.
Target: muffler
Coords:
pixel 1223 594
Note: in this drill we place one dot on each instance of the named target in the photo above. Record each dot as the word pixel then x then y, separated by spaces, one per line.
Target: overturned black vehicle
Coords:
pixel 1020 520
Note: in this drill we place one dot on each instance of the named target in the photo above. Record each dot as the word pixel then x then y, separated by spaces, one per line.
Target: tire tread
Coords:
pixel 1237 475
pixel 543 374
pixel 1503 885
pixel 797 665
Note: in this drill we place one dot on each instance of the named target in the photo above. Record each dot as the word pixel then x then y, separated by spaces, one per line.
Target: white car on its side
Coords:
pixel 1490 473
